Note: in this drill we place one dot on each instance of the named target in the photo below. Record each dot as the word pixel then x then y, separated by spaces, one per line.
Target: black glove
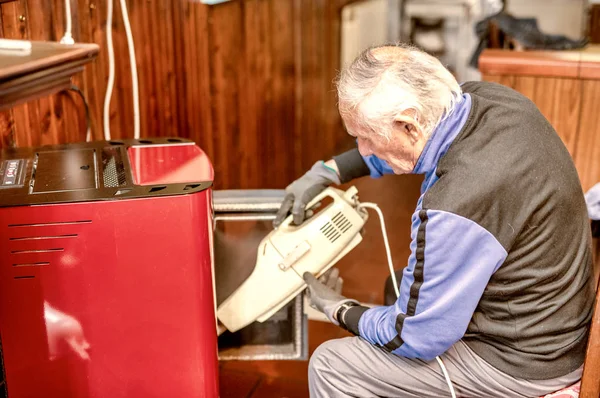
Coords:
pixel 326 297
pixel 303 190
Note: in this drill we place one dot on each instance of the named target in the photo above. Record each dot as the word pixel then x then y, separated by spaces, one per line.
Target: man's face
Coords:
pixel 401 152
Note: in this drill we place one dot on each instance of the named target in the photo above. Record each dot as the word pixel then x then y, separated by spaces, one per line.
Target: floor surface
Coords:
pixel 274 379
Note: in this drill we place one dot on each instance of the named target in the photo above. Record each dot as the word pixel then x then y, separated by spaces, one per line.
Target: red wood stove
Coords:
pixel 106 282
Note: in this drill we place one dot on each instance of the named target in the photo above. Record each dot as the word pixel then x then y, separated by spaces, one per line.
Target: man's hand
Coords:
pixel 303 190
pixel 326 297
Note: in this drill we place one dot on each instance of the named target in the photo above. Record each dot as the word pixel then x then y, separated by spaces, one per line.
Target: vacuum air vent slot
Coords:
pixel 25 277
pixel 342 222
pixel 38 264
pixel 158 188
pixel 338 225
pixel 113 169
pixel 330 232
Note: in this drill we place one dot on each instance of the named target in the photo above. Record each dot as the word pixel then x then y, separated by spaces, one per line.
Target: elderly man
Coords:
pixel 499 282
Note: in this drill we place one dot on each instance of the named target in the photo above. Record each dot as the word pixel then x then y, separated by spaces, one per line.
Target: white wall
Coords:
pixel 564 17
pixel 368 23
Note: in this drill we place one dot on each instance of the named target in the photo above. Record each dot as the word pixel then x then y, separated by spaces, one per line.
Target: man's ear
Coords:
pixel 406 124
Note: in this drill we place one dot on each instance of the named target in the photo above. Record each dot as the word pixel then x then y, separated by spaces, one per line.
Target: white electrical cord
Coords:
pixel 395 282
pixel 133 67
pixel 68 36
pixel 385 242
pixel 111 69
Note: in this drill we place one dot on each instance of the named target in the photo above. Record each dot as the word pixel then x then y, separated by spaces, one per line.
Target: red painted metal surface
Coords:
pixel 169 164
pixel 109 299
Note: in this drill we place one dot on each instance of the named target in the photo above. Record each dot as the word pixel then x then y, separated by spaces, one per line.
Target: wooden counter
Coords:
pixel 46 70
pixel 565 85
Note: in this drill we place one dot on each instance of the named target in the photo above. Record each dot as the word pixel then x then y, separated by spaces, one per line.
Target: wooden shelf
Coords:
pixel 582 63
pixel 47 69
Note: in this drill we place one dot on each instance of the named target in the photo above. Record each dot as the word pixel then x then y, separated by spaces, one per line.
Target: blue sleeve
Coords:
pixel 452 259
pixel 377 167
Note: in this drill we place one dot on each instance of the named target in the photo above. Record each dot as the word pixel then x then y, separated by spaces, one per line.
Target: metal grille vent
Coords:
pixel 336 227
pixel 113 170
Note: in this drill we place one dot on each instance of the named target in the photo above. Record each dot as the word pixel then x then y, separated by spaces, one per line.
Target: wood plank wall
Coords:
pixel 251 81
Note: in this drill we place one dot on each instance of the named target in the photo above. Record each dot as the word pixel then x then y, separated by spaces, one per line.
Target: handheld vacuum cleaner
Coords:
pixel 289 251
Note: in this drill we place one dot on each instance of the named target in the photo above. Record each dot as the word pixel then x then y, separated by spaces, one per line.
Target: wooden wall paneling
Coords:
pixel 166 83
pixel 566 104
pixel 320 124
pixel 82 31
pixel 69 111
pixel 559 100
pixel 121 105
pixel 156 66
pixel 490 78
pixel 505 80
pixel 7 134
pixel 587 151
pixel 255 98
pixel 6 129
pixel 181 112
pixel 61 107
pixel 311 131
pixel 196 75
pixel 41 28
pixel 525 85
pixel 150 59
pixel 227 86
pixel 298 86
pixel 93 30
pixel 340 140
pixel 279 156
pixel 175 100
pixel 594 23
pixel 179 10
pixel 15 29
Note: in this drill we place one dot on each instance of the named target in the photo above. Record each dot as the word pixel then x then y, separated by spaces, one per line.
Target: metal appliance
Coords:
pixel 106 282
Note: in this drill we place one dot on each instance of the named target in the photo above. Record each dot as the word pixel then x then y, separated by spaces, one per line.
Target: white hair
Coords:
pixel 403 80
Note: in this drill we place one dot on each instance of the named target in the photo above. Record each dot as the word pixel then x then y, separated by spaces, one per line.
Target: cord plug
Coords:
pixel 67 39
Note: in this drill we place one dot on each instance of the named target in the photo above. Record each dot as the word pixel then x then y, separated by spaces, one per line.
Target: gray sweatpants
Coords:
pixel 351 367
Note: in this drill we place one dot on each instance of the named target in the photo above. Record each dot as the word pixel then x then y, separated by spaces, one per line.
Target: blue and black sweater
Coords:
pixel 501 245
